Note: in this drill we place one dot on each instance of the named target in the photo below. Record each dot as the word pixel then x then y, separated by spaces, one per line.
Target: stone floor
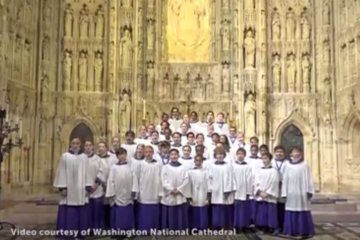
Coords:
pixel 324 231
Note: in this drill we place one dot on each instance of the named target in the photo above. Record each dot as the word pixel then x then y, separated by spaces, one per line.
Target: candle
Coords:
pixel 144 109
pixel 231 110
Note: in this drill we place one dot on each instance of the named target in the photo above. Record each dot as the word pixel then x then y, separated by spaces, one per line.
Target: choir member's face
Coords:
pixel 122 157
pixel 164 125
pixel 164 150
pixel 186 151
pixel 253 152
pixel 115 143
pixel 176 138
pixel 232 132
pixel 240 137
pixel 219 156
pixel 190 138
pixel 151 128
pixel 222 139
pixel 75 145
pixel 143 131
pixel 210 117
pixel 198 161
pixel 154 137
pixel 210 130
pixel 220 118
pixel 296 155
pixel 199 150
pixel 279 154
pixel 263 151
pixel 186 119
pixel 167 133
pixel 140 150
pixel 200 140
pixel 149 152
pixel 165 117
pixel 184 128
pixel 240 155
pixel 130 138
pixel 174 156
pixel 175 113
pixel 254 142
pixel 102 149
pixel 215 138
pixel 266 160
pixel 88 147
pixel 194 117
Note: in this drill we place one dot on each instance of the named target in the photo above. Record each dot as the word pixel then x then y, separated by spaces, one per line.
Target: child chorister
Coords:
pixel 266 191
pixel 174 208
pixel 150 188
pixel 121 188
pixel 298 189
pixel 198 185
pixel 244 187
pixel 222 191
pixel 186 158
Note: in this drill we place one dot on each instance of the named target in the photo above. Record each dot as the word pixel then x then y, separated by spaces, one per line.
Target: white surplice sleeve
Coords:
pixel 228 179
pixel 184 187
pixel 284 184
pixel 60 180
pixel 110 189
pixel 249 181
pixel 310 182
pixel 167 188
pixel 273 189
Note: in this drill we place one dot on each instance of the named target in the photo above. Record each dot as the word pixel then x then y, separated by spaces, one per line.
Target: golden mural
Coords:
pixel 188 30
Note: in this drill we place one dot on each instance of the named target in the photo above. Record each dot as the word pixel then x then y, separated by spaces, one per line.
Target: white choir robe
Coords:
pixel 243 180
pixel 297 182
pixel 72 174
pixel 178 147
pixel 155 146
pixel 267 180
pixel 120 185
pixel 162 160
pixel 280 166
pixel 135 166
pixel 255 163
pixel 221 178
pixel 145 141
pixel 198 179
pixel 174 177
pixel 150 186
pixel 94 164
pixel 196 127
pixel 208 143
pixel 187 162
pixel 221 128
pixel 175 123
pixel 183 139
pixel 106 162
pixel 131 149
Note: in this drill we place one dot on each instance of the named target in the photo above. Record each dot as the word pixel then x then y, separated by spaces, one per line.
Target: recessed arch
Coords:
pixel 83 132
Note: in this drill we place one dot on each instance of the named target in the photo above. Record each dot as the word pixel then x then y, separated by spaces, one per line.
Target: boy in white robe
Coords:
pixel 129 145
pixel 220 126
pixel 298 189
pixel 137 159
pixel 75 186
pixel 244 189
pixel 176 136
pixel 142 137
pixel 115 145
pixel 155 140
pixel 200 140
pixel 183 130
pixel 96 198
pixel 163 125
pixel 279 163
pixel 174 208
pixel 222 190
pixel 190 138
pixel 122 187
pixel 175 119
pixel 232 137
pixel 266 191
pixel 162 156
pixel 150 189
pixel 186 158
pixel 198 179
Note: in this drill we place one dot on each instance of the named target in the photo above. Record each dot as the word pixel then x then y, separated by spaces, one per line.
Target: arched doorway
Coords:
pixel 83 132
pixel 291 137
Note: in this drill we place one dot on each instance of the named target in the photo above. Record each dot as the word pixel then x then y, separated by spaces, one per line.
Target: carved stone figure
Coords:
pixel 150 80
pixel 326 51
pixel 250 115
pixel 68 21
pixel 125 112
pixel 99 22
pixel 290 25
pixel 226 78
pixel 140 51
pixel 83 67
pixel 44 88
pixel 249 44
pixel 225 33
pixel 210 87
pixel 27 58
pixel 98 71
pixel 291 72
pixel 45 53
pixel 306 68
pixel 166 87
pixel 326 12
pixel 236 18
pixel 305 27
pixel 150 34
pixel 126 49
pixel 67 69
pixel 276 69
pixel 84 22
pixel 177 86
pixel 327 91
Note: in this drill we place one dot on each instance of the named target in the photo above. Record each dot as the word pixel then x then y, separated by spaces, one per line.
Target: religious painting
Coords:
pixel 188 30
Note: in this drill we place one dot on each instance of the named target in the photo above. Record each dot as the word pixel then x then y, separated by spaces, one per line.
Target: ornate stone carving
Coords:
pixel 250 115
pixel 306 69
pixel 67 70
pixel 249 44
pixel 276 26
pixel 83 70
pixel 125 112
pixel 151 34
pixel 290 25
pixel 276 73
pixel 225 35
pixel 98 71
pixel 326 51
pixel 84 22
pixel 99 22
pixel 126 49
pixel 326 12
pixel 150 80
pixel 305 27
pixel 68 21
pixel 226 78
pixel 291 72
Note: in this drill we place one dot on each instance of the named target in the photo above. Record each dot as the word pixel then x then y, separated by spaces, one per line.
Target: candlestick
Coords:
pixel 144 108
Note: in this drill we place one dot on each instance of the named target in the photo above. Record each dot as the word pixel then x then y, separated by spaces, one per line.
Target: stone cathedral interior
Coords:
pixel 283 70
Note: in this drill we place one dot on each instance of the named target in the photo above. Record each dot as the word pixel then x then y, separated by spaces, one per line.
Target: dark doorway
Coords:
pixel 83 132
pixel 292 137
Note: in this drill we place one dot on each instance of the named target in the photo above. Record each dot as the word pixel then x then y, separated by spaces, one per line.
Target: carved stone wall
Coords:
pixel 114 65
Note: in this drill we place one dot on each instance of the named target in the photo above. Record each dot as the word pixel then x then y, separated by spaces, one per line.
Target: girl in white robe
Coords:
pixel 122 187
pixel 174 208
pixel 298 189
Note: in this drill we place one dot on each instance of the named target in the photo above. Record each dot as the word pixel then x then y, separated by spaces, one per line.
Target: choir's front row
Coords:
pixel 274 194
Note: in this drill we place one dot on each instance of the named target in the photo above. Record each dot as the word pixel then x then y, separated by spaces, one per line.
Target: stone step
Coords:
pixel 331 216
pixel 342 207
pixel 25 219
pixel 33 208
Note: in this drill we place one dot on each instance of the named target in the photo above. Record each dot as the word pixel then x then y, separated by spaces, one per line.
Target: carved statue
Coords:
pixel 45 48
pixel 150 80
pixel 84 22
pixel 306 68
pixel 210 87
pixel 126 49
pixel 83 67
pixel 291 72
pixel 27 57
pixel 98 71
pixel 276 27
pixel 249 44
pixel 326 51
pixel 226 78
pixel 44 88
pixel 236 18
pixel 67 67
pixel 68 20
pixel 305 27
pixel 166 87
pixel 290 25
pixel 327 91
pixel 225 33
pixel 125 112
pixel 177 86
pixel 276 69
pixel 99 22
pixel 151 34
pixel 203 88
pixel 326 12
pixel 250 115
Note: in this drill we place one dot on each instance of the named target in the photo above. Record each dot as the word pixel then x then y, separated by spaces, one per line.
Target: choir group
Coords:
pixel 184 174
